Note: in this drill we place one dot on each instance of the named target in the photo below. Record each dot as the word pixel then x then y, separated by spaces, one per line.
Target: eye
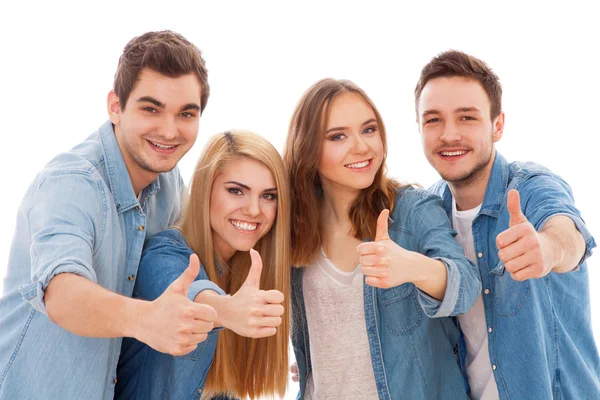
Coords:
pixel 337 137
pixel 370 129
pixel 186 114
pixel 269 196
pixel 235 191
pixel 150 110
pixel 432 120
pixel 467 118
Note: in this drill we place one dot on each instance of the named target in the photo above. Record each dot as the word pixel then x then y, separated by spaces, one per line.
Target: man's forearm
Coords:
pixel 219 302
pixel 87 309
pixel 566 243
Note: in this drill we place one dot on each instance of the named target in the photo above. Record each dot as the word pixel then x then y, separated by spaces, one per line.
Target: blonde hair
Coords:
pixel 243 367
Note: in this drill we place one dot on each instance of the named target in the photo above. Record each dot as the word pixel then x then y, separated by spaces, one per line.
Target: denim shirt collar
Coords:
pixel 494 193
pixel 116 170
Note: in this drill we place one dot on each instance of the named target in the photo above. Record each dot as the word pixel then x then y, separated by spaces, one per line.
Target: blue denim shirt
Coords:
pixel 541 344
pixel 414 356
pixel 81 216
pixel 144 373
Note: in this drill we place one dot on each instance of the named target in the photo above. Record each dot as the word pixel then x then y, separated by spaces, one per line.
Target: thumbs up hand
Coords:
pixel 252 312
pixel 173 324
pixel 384 263
pixel 526 253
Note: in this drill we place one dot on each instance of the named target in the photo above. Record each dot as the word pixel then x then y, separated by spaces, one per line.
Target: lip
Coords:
pixel 244 231
pixel 361 169
pixel 162 151
pixel 452 158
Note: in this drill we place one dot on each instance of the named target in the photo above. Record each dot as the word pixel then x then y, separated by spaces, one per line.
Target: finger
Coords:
pixel 199 327
pixel 522 246
pixel 513 234
pixel 532 271
pixel 269 322
pixel 264 332
pixel 182 284
pixel 294 368
pixel 272 310
pixel 377 272
pixel 366 248
pixel 514 208
pixel 253 278
pixel 372 261
pixel 295 377
pixel 199 337
pixel 273 296
pixel 521 262
pixel 204 312
pixel 374 281
pixel 382 226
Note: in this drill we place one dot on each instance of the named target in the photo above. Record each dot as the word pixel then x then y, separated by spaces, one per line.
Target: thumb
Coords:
pixel 182 284
pixel 513 204
pixel 253 278
pixel 382 226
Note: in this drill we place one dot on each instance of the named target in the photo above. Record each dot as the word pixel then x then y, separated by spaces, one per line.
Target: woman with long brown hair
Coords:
pixel 378 269
pixel 238 201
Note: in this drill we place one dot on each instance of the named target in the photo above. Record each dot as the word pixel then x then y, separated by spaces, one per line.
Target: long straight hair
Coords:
pixel 243 367
pixel 303 151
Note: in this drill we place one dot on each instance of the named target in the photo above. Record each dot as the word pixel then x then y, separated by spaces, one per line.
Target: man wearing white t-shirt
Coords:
pixel 529 334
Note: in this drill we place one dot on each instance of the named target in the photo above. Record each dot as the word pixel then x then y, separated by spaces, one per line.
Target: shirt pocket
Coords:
pixel 399 309
pixel 509 295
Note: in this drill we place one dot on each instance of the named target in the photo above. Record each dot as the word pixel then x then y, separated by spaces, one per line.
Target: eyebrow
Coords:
pixel 341 128
pixel 456 110
pixel 150 99
pixel 248 187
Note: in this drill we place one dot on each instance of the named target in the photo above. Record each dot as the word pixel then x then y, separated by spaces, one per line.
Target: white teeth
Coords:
pixel 244 226
pixel 358 164
pixel 453 153
pixel 160 146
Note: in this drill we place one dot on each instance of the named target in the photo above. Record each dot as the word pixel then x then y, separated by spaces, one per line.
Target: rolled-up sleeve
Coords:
pixel 434 238
pixel 547 196
pixel 66 223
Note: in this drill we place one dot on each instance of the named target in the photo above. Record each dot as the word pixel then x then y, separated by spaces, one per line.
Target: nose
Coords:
pixel 252 207
pixel 359 146
pixel 169 128
pixel 450 133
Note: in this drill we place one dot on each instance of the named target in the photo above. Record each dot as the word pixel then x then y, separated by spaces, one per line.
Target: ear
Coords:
pixel 498 127
pixel 113 107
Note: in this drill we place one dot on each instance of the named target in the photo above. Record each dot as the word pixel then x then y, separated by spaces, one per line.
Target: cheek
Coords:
pixel 331 157
pixel 270 213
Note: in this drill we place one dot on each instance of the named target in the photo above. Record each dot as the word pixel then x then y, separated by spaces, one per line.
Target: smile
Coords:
pixel 456 153
pixel 244 226
pixel 161 146
pixel 359 165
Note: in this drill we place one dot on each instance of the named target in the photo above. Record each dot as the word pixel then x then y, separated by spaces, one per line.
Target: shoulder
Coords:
pixel 411 196
pixel 438 188
pixel 170 240
pixel 529 177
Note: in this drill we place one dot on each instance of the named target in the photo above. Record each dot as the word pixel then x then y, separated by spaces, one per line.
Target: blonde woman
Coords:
pixel 372 299
pixel 238 201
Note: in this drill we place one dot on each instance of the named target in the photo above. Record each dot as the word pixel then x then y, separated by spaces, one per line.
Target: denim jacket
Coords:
pixel 80 215
pixel 413 355
pixel 540 342
pixel 144 373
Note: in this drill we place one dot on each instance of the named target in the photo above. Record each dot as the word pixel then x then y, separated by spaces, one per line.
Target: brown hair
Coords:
pixel 303 150
pixel 165 52
pixel 243 366
pixel 456 63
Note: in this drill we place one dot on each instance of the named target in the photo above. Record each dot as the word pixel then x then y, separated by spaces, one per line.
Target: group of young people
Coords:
pixel 123 283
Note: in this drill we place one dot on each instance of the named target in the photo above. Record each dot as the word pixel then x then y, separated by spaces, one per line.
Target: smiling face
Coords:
pixel 243 205
pixel 352 151
pixel 457 131
pixel 158 125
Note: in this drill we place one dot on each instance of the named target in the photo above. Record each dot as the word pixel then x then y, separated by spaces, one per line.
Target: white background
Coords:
pixel 57 62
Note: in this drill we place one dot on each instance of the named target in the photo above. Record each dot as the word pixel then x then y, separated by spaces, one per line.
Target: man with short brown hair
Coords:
pixel 80 231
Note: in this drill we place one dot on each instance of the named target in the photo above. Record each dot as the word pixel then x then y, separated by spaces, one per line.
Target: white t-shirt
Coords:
pixel 477 362
pixel 339 346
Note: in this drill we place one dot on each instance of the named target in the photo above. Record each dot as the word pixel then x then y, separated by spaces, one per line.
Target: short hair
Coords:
pixel 165 52
pixel 453 63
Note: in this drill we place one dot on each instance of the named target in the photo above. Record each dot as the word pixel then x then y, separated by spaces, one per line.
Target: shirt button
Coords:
pixel 490 329
pixel 486 291
pixel 480 254
pixel 140 227
pixel 137 208
pixel 494 367
pixel 131 277
pixel 115 381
